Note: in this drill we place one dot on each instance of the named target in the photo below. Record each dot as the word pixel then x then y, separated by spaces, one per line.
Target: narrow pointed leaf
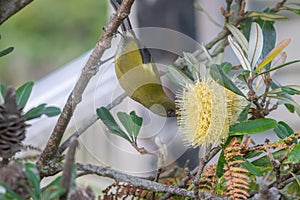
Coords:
pixel 51 111
pixel 6 51
pixel 244 114
pixel 288 101
pixel 252 127
pixel 288 89
pixel 110 123
pixel 267 16
pixel 239 54
pixel 2 90
pixel 35 112
pixel 23 93
pixel 33 177
pixel 269 35
pixel 132 123
pixel 264 161
pixel 220 76
pixel 280 66
pixel 294 10
pixel 226 67
pixel 2 93
pixel 10 194
pixel 178 77
pixel 256 42
pixel 283 130
pixel 279 59
pixel 273 54
pixel 239 36
pixel 251 168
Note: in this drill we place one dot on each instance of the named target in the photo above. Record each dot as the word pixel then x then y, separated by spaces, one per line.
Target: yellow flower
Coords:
pixel 205 112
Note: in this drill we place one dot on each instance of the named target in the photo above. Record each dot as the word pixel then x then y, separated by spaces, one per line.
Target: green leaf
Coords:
pixel 296 178
pixel 35 112
pixel 294 10
pixel 289 106
pixel 244 114
pixel 132 123
pixel 53 192
pixel 34 179
pixel 226 67
pixel 23 93
pixel 267 16
pixel 239 36
pixel 178 77
pixel 33 176
pixel 251 168
pixel 110 123
pixel 6 51
pixel 193 64
pixel 2 90
pixel 220 165
pixel 10 194
pixel 40 110
pixel 265 161
pixel 269 35
pixel 219 76
pixel 280 66
pixel 253 154
pixel 294 154
pixel 290 90
pixel 137 120
pixel 289 101
pixel 252 127
pixel 51 111
pixel 2 93
pixel 221 161
pixel 283 130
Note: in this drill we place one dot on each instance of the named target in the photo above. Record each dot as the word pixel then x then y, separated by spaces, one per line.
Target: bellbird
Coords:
pixel 138 74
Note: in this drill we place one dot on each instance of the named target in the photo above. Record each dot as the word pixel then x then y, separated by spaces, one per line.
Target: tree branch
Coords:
pixel 89 70
pixel 143 183
pixel 10 7
pixel 66 177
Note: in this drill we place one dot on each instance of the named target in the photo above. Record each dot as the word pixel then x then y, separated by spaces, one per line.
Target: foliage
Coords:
pixel 22 96
pixel 50 192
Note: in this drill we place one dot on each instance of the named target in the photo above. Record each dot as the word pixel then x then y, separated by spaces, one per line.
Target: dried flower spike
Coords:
pixel 12 125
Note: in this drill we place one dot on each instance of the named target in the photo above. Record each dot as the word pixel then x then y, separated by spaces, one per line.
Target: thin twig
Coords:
pixel 275 163
pixel 89 70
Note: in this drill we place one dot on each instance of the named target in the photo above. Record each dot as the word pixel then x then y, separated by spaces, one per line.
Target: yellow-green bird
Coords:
pixel 138 74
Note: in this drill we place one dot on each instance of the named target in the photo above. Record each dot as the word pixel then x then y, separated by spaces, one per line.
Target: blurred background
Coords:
pixel 47 35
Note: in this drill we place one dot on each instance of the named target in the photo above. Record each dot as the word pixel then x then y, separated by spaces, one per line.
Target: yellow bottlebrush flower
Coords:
pixel 205 112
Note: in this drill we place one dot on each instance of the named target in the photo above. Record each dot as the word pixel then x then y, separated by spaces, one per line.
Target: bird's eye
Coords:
pixel 171 113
